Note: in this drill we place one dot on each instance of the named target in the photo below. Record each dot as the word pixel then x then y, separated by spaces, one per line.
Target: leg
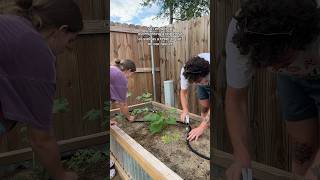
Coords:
pixel 300 112
pixel 46 149
pixel 203 93
pixel 304 136
pixel 205 106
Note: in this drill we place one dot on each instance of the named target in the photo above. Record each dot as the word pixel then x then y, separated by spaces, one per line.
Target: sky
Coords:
pixel 131 12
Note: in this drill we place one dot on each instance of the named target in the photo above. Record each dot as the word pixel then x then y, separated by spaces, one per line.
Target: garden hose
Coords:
pixel 190 147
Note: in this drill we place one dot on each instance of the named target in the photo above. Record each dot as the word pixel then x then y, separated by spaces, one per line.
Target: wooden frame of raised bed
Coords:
pixel 135 160
pixel 260 171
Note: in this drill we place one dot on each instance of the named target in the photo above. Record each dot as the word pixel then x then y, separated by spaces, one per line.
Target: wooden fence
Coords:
pixel 270 141
pixel 81 78
pixel 195 40
pixel 124 44
pixel 169 60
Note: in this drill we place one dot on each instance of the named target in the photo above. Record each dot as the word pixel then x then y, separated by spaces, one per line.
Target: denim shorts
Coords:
pixel 299 98
pixel 203 92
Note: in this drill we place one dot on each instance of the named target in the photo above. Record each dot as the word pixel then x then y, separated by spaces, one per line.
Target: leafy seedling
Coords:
pixel 145 97
pixel 60 106
pixel 83 159
pixel 139 111
pixel 170 138
pixel 120 117
pixel 92 115
pixel 159 120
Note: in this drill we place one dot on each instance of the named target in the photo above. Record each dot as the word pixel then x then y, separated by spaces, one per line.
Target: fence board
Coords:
pixel 81 78
pixel 194 41
pixel 124 44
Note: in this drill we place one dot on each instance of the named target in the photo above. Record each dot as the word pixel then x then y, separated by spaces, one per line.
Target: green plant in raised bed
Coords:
pixel 83 159
pixel 139 111
pixel 170 138
pixel 159 120
pixel 145 97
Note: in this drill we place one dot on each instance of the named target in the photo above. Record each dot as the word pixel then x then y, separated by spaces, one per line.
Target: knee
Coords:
pixel 204 109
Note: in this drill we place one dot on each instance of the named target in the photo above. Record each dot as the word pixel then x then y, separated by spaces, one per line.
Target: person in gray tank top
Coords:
pixel 283 37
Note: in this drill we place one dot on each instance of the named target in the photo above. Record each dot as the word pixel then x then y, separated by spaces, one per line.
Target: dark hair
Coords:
pixel 196 68
pixel 125 64
pixel 46 14
pixel 267 29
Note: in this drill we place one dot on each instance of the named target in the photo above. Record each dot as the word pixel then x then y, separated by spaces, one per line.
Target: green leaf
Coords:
pixel 92 115
pixel 129 94
pixel 120 117
pixel 145 97
pixel 166 139
pixel 152 117
pixel 156 126
pixel 60 106
pixel 171 121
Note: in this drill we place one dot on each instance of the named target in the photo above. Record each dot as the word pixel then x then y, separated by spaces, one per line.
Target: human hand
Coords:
pixel 195 133
pixel 131 118
pixel 112 123
pixel 183 115
pixel 234 172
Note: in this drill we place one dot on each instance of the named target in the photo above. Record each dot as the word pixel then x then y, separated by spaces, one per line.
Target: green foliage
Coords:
pixel 92 115
pixel 95 114
pixel 161 119
pixel 83 159
pixel 129 94
pixel 180 9
pixel 170 138
pixel 120 117
pixel 145 97
pixel 139 111
pixel 60 106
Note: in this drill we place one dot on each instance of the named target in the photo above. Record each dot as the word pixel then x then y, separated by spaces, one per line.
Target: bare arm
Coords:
pixel 124 109
pixel 184 103
pixel 184 99
pixel 238 124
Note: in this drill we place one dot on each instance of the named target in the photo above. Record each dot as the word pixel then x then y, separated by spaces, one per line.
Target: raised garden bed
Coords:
pixel 163 155
pixel 89 163
pixel 260 171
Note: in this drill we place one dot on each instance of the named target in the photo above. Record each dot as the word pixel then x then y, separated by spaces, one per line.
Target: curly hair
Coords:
pixel 267 29
pixel 195 69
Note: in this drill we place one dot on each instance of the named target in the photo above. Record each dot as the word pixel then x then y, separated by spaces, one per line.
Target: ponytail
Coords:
pixel 46 14
pixel 125 64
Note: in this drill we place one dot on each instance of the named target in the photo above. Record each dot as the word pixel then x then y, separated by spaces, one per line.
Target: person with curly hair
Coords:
pixel 196 71
pixel 283 37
